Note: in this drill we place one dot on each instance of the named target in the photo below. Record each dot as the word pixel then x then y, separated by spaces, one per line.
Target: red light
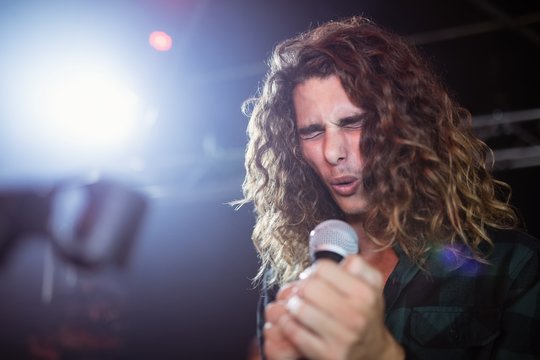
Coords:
pixel 161 41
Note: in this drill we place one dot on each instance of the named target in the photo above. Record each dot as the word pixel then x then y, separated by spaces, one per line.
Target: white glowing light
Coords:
pixel 73 99
pixel 88 108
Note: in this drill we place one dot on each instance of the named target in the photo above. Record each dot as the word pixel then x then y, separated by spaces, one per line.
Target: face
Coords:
pixel 330 128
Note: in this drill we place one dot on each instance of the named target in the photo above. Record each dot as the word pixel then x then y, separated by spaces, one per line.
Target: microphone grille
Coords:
pixel 335 234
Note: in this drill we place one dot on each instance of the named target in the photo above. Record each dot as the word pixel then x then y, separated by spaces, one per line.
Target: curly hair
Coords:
pixel 426 175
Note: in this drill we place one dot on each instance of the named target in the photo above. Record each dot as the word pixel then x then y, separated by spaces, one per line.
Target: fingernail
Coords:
pixel 293 305
pixel 304 274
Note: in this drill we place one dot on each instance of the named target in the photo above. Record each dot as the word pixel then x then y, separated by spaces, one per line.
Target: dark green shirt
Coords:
pixel 460 308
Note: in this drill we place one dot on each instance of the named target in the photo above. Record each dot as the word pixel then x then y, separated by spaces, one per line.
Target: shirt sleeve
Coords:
pixel 268 294
pixel 520 327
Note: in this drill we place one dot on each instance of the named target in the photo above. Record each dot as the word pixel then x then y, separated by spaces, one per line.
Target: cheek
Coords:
pixel 316 163
pixel 354 145
pixel 309 154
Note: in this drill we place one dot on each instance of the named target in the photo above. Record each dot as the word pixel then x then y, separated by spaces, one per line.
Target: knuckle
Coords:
pixel 286 290
pixel 273 312
pixel 370 299
pixel 307 287
pixel 321 266
pixel 358 326
pixel 290 330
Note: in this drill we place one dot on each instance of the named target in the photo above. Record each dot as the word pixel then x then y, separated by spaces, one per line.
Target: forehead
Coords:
pixel 317 86
pixel 317 99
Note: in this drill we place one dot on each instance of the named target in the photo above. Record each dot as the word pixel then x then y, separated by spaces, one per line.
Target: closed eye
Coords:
pixel 310 132
pixel 353 122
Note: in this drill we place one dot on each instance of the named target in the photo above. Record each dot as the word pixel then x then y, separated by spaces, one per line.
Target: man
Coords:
pixel 351 124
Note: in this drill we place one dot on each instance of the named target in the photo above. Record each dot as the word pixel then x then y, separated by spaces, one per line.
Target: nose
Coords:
pixel 335 149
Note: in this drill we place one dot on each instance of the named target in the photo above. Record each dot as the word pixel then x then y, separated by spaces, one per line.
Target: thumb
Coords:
pixel 352 264
pixel 358 267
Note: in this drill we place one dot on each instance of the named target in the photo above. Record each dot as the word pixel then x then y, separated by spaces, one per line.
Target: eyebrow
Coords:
pixel 310 129
pixel 346 121
pixel 352 119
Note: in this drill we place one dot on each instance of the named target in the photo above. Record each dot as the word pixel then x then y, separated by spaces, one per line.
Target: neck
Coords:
pixel 366 244
pixel 384 260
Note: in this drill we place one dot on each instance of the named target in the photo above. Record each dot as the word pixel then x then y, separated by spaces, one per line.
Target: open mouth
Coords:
pixel 345 186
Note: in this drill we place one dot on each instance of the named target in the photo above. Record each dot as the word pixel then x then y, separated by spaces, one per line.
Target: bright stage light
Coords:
pixel 90 109
pixel 74 94
pixel 75 114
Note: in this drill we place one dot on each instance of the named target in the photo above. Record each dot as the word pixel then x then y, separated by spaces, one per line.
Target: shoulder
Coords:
pixel 513 242
pixel 514 237
pixel 515 251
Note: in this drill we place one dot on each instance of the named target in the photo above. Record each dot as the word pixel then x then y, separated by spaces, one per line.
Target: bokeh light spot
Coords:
pixel 161 41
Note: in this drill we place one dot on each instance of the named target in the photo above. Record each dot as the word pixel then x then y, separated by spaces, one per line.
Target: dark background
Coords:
pixel 186 292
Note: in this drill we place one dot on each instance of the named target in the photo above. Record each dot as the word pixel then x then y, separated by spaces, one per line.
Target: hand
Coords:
pixel 276 345
pixel 333 312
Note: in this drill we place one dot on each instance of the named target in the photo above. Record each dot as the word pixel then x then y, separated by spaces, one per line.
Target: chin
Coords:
pixel 352 208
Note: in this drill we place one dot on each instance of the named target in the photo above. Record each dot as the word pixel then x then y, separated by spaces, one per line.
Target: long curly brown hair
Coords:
pixel 426 174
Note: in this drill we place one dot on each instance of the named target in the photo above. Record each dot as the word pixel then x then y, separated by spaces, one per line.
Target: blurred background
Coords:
pixel 148 93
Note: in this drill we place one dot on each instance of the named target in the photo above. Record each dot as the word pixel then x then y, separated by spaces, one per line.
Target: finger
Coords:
pixel 355 265
pixel 308 343
pixel 274 311
pixel 276 346
pixel 334 304
pixel 319 322
pixel 344 278
pixel 286 291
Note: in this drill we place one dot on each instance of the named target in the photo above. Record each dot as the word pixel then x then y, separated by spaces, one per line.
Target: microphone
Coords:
pixel 332 239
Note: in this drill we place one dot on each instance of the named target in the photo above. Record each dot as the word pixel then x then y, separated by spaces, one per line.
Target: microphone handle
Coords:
pixel 330 255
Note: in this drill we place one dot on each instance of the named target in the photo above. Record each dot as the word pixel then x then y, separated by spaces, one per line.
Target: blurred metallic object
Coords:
pixel 96 229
